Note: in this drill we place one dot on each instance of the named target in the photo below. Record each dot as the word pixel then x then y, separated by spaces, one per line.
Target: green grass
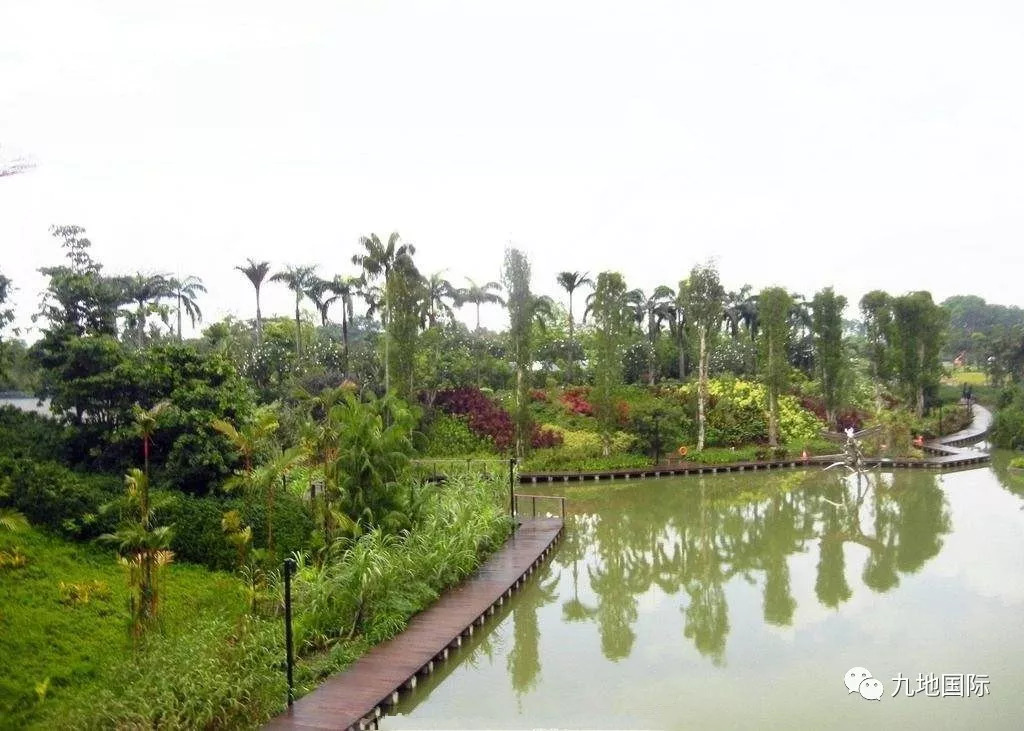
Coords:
pixel 68 660
pixel 951 387
pixel 69 650
pixel 970 377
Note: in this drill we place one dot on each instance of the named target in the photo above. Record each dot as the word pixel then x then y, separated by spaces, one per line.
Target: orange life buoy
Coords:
pixel 682 451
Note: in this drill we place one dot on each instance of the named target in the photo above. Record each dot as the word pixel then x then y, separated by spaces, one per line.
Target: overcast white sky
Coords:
pixel 859 144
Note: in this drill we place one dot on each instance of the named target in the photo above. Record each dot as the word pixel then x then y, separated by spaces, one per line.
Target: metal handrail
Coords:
pixel 533 502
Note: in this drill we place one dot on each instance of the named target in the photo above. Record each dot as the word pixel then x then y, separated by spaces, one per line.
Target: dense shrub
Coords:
pixel 60 499
pixel 738 414
pixel 545 438
pixel 488 420
pixel 661 427
pixel 484 416
pixel 199 538
pixel 449 434
pixel 27 434
pixel 576 400
pixel 1008 426
pixel 581 444
pixel 72 504
pixel 848 418
pixel 101 378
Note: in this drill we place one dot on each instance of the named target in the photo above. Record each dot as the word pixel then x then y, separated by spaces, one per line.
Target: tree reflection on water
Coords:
pixel 691 538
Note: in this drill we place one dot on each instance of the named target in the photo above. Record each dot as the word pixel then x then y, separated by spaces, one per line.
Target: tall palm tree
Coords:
pixel 542 310
pixel 437 292
pixel 344 288
pixel 297 279
pixel 678 321
pixel 186 291
pixel 256 271
pixel 478 294
pixel 653 310
pixel 378 262
pixel 145 290
pixel 741 309
pixel 801 339
pixel 570 282
pixel 321 295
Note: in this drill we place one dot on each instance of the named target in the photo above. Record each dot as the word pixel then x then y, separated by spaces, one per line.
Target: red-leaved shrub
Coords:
pixel 575 400
pixel 488 419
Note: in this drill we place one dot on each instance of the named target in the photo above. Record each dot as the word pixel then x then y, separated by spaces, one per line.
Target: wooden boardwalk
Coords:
pixel 357 696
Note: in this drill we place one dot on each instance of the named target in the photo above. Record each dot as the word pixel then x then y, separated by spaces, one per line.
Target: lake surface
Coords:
pixel 741 601
pixel 27 403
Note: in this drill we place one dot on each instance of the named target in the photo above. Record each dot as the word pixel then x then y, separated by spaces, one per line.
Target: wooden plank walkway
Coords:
pixel 353 698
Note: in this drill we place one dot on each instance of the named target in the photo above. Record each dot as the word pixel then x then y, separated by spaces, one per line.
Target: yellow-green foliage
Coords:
pixel 580 444
pixel 737 413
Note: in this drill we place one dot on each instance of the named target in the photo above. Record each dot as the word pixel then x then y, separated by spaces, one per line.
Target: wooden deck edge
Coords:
pixel 940 462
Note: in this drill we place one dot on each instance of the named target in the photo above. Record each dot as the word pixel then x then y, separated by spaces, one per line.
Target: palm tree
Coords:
pixel 654 310
pixel 186 291
pixel 437 290
pixel 252 439
pixel 802 341
pixel 297 279
pixel 318 290
pixel 742 309
pixel 542 310
pixel 570 282
pixel 252 436
pixel 256 271
pixel 344 289
pixel 479 294
pixel 146 424
pixel 143 548
pixel 678 321
pixel 145 290
pixel 379 261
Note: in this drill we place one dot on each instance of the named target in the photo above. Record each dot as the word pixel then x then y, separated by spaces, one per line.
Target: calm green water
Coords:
pixel 742 601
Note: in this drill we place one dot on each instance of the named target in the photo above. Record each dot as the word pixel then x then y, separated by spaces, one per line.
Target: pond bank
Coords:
pixel 948 452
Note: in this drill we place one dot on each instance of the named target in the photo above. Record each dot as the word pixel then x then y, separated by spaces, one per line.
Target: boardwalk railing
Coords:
pixel 533 503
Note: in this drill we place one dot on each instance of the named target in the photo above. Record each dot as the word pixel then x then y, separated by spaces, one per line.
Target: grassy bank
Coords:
pixel 211 662
pixel 64 623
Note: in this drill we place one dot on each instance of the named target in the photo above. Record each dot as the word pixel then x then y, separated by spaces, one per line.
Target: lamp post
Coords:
pixel 289 569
